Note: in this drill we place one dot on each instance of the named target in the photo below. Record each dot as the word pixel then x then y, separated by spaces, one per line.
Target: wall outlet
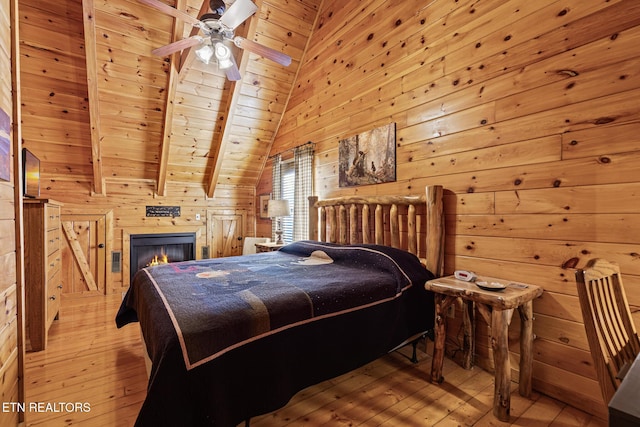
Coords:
pixel 205 252
pixel 451 311
pixel 197 217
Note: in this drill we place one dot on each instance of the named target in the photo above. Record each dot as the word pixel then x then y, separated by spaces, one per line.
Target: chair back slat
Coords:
pixel 612 335
pixel 611 316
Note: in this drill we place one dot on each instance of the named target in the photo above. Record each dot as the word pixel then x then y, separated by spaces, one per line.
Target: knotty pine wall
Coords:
pixel 527 113
pixel 10 389
pixel 57 128
pixel 126 204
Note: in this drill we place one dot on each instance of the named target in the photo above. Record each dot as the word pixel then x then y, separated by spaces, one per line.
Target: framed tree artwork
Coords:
pixel 368 158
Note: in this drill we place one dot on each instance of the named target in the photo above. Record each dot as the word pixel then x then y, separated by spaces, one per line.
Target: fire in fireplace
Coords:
pixel 149 249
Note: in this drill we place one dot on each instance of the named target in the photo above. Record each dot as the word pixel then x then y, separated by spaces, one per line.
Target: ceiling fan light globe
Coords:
pixel 223 55
pixel 204 53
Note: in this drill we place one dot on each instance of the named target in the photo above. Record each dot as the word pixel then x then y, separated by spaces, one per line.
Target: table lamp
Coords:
pixel 277 209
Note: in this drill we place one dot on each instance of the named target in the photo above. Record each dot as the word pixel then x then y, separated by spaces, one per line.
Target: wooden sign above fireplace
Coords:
pixel 171 211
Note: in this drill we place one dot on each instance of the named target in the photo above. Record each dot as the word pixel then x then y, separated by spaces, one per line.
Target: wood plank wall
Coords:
pixel 527 113
pixel 126 204
pixel 56 123
pixel 9 353
pixel 139 135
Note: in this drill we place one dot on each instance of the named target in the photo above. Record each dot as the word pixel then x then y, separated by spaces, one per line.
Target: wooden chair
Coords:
pixel 612 336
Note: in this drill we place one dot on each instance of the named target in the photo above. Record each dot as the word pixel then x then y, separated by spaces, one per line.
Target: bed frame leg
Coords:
pixel 414 355
pixel 429 334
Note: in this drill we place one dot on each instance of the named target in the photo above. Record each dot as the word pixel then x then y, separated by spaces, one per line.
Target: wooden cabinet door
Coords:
pixel 83 254
pixel 225 232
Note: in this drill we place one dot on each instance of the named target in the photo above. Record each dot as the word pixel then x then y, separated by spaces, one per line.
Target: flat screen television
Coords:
pixel 30 174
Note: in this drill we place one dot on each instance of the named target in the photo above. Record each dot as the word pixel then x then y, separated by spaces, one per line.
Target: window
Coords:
pixel 288 185
pixel 293 181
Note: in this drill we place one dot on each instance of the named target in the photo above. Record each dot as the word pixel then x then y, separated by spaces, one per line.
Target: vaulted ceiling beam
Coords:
pixel 228 112
pixel 91 57
pixel 165 145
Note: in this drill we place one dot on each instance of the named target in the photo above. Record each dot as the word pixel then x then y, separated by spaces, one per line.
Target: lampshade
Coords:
pixel 278 208
pixel 223 55
pixel 204 53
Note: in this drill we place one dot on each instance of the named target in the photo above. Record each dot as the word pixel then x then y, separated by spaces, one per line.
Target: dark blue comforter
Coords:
pixel 234 337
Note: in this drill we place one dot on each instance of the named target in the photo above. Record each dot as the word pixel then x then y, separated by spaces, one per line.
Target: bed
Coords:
pixel 232 338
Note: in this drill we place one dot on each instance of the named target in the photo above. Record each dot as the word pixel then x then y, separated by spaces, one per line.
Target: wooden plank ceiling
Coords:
pixel 171 119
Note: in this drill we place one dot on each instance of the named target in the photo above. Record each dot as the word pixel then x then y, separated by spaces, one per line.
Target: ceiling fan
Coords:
pixel 217 28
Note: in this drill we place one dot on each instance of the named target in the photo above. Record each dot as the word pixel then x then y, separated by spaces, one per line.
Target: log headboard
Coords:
pixel 413 223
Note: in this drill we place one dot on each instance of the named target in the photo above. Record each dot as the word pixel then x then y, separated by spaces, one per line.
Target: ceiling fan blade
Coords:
pixel 237 13
pixel 267 52
pixel 233 73
pixel 171 11
pixel 176 46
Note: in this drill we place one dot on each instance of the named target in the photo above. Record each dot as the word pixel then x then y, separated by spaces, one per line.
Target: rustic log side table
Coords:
pixel 496 304
pixel 268 247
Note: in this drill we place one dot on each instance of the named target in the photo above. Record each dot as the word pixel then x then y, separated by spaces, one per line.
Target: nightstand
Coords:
pixel 268 247
pixel 496 307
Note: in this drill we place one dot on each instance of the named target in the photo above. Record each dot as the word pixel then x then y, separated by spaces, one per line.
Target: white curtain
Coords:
pixel 303 188
pixel 276 186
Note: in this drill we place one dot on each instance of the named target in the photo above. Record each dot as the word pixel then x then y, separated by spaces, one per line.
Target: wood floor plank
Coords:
pixel 89 360
pixel 572 417
pixel 474 407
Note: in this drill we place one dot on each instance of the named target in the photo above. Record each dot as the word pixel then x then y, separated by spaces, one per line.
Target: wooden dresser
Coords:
pixel 42 257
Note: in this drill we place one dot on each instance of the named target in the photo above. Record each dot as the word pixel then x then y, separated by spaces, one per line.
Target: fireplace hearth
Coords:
pixel 144 248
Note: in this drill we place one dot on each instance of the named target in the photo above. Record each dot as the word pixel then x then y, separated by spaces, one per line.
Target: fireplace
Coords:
pixel 145 248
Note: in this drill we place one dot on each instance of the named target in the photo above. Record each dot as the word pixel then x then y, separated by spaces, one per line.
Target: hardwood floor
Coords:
pixel 88 360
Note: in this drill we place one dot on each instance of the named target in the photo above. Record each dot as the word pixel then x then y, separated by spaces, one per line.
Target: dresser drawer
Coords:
pixel 54 284
pixel 53 307
pixel 52 216
pixel 53 263
pixel 52 297
pixel 53 240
